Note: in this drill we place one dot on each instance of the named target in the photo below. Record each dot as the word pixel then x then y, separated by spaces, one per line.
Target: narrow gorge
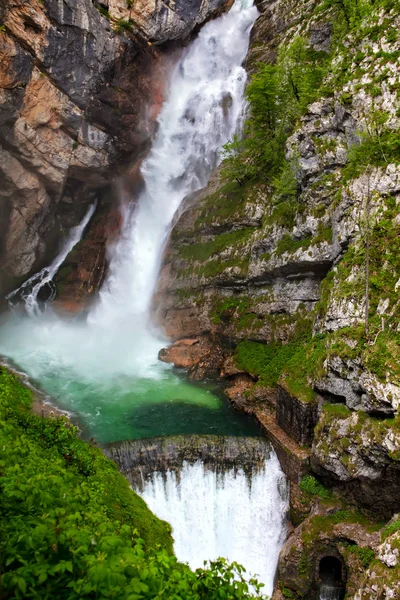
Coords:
pixel 199 260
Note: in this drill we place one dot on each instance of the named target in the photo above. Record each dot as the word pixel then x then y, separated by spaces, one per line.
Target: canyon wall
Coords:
pixel 81 84
pixel 286 288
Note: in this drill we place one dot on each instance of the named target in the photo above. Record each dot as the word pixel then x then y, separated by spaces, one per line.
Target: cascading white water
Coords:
pixel 29 290
pixel 202 111
pixel 330 592
pixel 224 514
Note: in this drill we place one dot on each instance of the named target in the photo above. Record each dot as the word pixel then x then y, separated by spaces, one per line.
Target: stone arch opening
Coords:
pixel 330 571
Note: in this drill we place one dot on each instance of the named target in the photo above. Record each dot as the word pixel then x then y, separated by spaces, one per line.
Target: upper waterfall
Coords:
pixel 202 111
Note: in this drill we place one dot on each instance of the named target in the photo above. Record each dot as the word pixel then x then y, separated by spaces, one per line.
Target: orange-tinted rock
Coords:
pixel 84 269
pixel 201 356
pixel 185 353
pixel 78 104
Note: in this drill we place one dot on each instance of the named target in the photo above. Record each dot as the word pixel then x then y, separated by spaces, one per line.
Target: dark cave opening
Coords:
pixel 330 570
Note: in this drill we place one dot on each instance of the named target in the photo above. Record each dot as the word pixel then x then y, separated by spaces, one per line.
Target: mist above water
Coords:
pixel 104 355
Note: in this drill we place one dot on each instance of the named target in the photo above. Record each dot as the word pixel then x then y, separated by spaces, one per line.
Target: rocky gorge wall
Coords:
pixel 287 290
pixel 139 459
pixel 81 84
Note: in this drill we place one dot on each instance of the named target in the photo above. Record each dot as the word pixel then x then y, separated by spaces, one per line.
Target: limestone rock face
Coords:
pixel 78 102
pixel 245 261
pixel 321 536
pixel 360 455
pixel 382 578
pixel 164 21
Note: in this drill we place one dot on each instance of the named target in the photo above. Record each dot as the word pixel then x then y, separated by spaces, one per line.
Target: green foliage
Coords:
pixel 73 529
pixel 224 309
pixel 289 245
pixel 278 95
pixel 287 592
pixel 379 146
pixel 103 11
pixel 390 529
pixel 284 214
pixel 348 13
pixel 337 410
pixel 230 200
pixel 265 361
pixel 380 353
pixel 294 365
pixel 124 26
pixel 202 251
pixel 312 487
pixel 365 555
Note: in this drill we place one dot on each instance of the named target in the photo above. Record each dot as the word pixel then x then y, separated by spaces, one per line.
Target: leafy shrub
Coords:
pixel 124 26
pixel 364 555
pixel 72 528
pixel 311 486
pixel 278 95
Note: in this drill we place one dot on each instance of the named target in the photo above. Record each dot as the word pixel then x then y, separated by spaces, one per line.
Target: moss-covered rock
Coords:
pixel 361 455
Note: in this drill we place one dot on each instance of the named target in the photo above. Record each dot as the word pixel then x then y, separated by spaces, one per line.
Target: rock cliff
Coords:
pixel 283 283
pixel 281 279
pixel 81 83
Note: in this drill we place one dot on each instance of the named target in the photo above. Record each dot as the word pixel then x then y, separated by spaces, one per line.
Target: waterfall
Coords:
pixel 330 592
pixel 203 108
pixel 223 497
pixel 202 111
pixel 28 292
pixel 223 514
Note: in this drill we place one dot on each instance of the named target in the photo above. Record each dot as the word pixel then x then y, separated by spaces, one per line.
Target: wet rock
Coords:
pixel 360 456
pixel 83 271
pixel 159 22
pixel 78 101
pixel 320 538
pixel 320 36
pixel 138 459
pixel 184 353
pixel 349 382
pixel 296 417
pixel 202 357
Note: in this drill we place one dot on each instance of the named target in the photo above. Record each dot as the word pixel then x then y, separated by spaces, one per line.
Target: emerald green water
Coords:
pixel 141 408
pixel 115 388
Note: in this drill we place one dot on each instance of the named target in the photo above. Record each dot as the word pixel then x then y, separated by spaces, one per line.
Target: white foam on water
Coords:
pixel 224 514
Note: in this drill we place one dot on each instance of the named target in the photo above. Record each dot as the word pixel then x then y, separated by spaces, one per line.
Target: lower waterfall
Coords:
pixel 231 501
pixel 223 514
pixel 330 592
pixel 103 366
